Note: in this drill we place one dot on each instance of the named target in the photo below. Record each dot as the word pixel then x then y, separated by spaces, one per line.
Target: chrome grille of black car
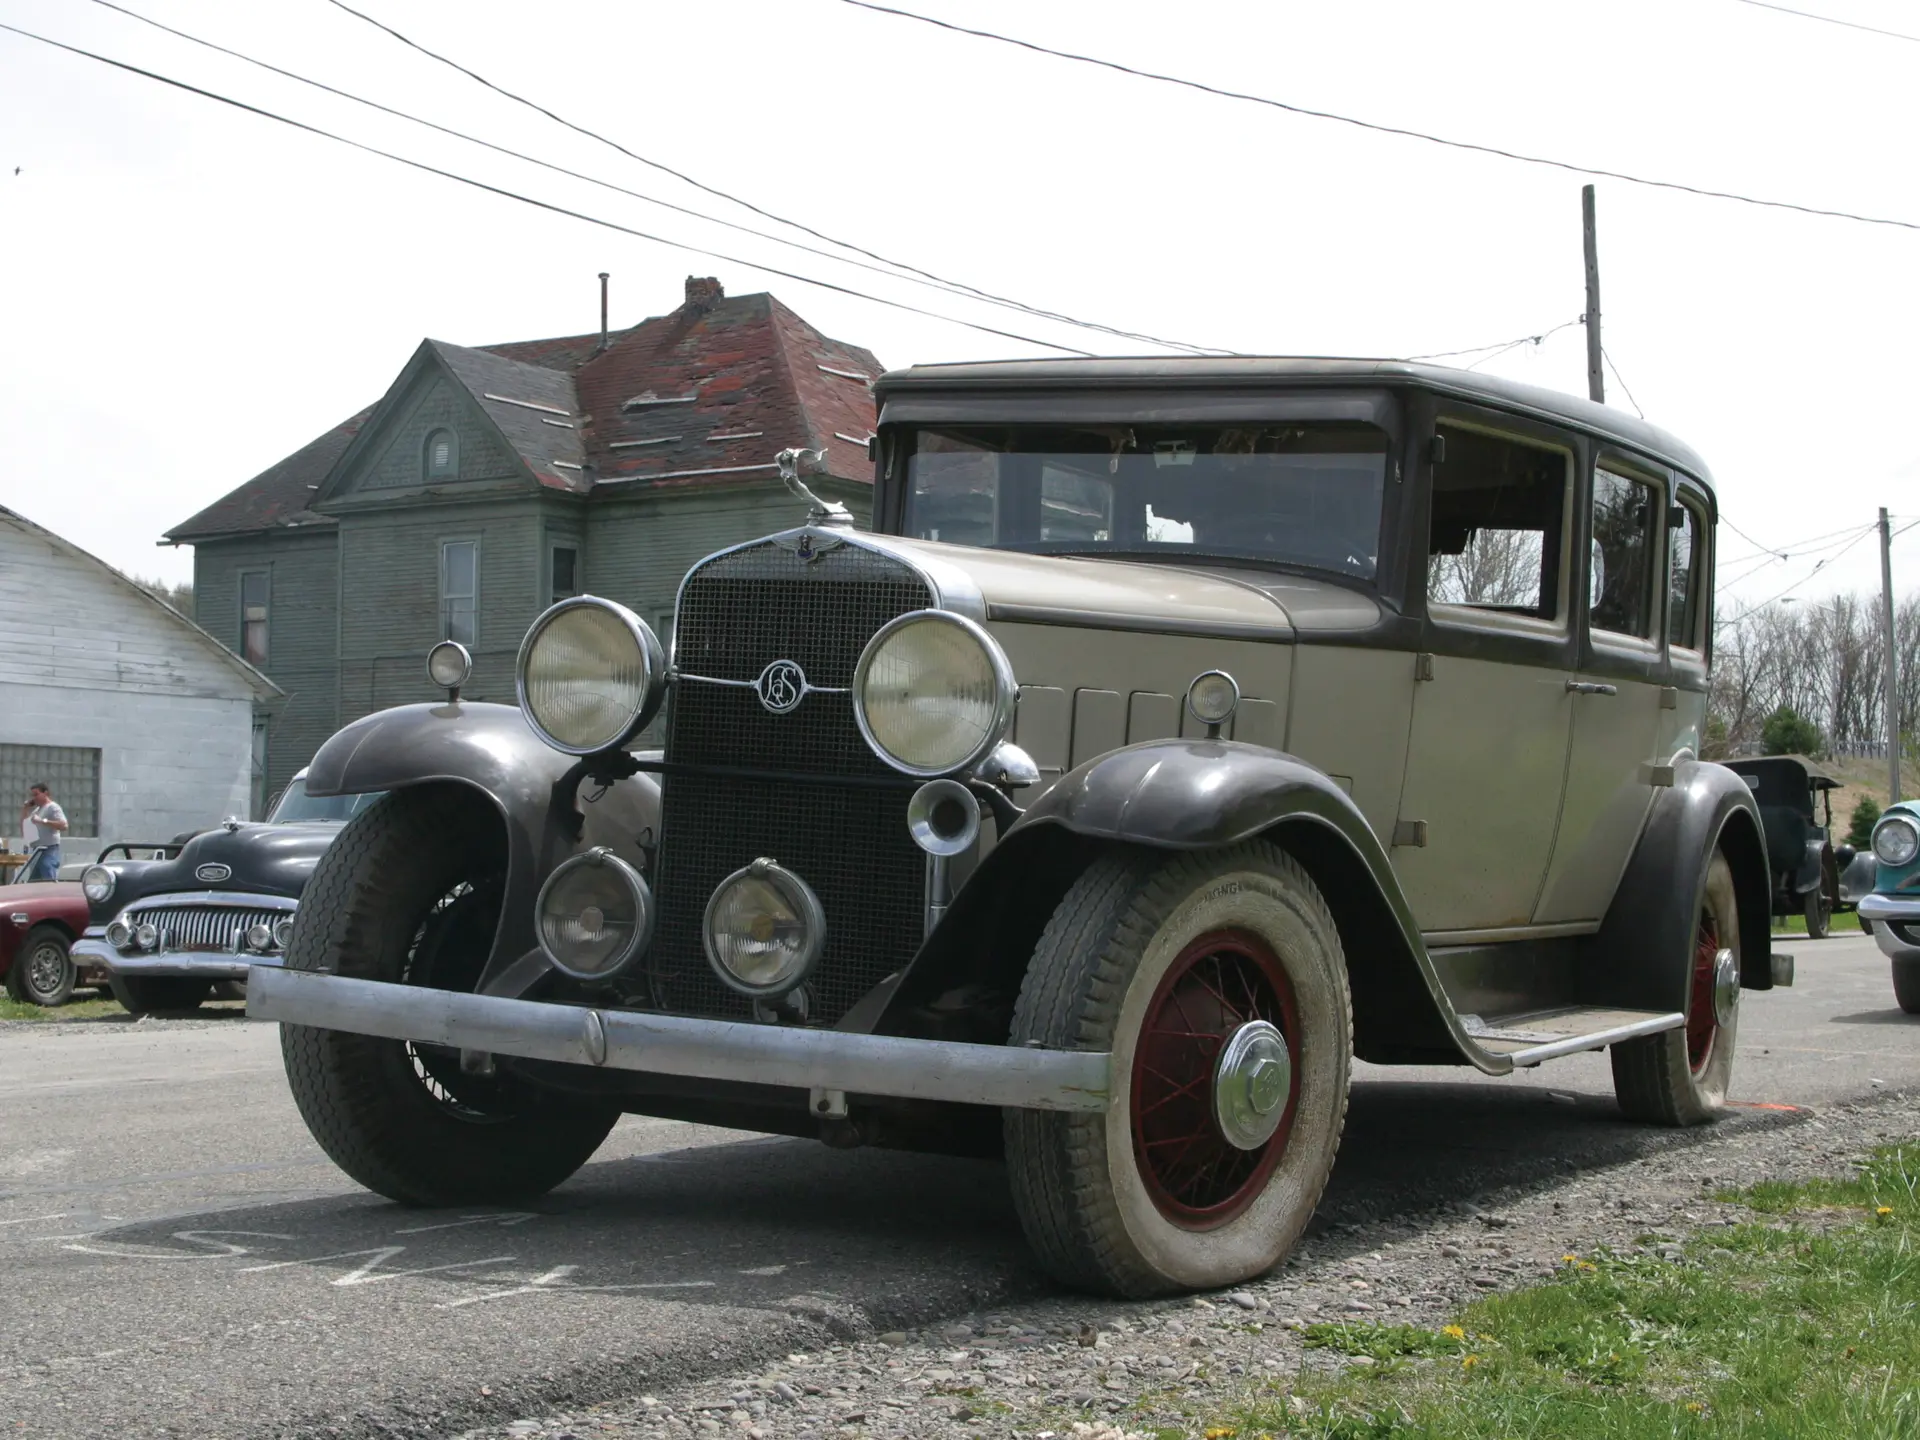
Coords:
pixel 812 813
pixel 202 927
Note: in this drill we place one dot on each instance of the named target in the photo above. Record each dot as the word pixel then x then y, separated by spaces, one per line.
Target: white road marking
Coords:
pixel 216 1249
pixel 36 1219
pixel 508 1217
pixel 559 1279
pixel 375 1257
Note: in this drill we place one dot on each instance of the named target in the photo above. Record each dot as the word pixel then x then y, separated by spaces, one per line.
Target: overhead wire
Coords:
pixel 1623 382
pixel 1868 530
pixel 948 287
pixel 1502 345
pixel 1375 126
pixel 532 201
pixel 1833 20
pixel 1759 562
pixel 1039 312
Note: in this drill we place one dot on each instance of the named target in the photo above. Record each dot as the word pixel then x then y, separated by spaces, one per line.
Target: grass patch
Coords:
pixel 89 1008
pixel 1841 922
pixel 1773 1330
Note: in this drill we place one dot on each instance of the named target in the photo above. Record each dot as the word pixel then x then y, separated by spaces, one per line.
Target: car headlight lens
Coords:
pixel 1896 840
pixel 764 929
pixel 591 674
pixel 283 933
pixel 97 882
pixel 259 935
pixel 933 693
pixel 1213 697
pixel 595 915
pixel 146 935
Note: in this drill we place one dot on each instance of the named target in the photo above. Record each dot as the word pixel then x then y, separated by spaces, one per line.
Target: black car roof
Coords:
pixel 1249 371
pixel 1758 764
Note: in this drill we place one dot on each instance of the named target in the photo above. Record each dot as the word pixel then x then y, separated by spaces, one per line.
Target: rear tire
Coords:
pixel 1906 983
pixel 146 994
pixel 409 894
pixel 1158 959
pixel 42 971
pixel 1680 1077
pixel 1819 913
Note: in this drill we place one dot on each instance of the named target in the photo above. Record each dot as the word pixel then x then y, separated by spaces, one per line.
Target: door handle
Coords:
pixel 1589 687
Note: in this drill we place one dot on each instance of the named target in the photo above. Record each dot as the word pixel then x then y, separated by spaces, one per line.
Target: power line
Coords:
pixel 947 287
pixel 1378 128
pixel 733 199
pixel 1806 547
pixel 1869 530
pixel 1623 383
pixel 546 205
pixel 1833 20
pixel 1501 346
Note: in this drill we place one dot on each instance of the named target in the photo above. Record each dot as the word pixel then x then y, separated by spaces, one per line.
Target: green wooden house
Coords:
pixel 491 481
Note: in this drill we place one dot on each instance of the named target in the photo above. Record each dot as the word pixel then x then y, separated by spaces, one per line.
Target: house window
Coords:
pixel 459 590
pixel 563 566
pixel 443 455
pixel 255 592
pixel 257 769
pixel 71 774
pixel 1621 564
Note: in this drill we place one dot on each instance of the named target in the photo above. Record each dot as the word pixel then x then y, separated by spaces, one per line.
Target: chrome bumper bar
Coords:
pixel 783 1055
pixel 199 964
pixel 1881 906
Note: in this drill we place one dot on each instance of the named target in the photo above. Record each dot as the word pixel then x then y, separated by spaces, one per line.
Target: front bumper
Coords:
pixel 781 1055
pixel 196 964
pixel 1888 912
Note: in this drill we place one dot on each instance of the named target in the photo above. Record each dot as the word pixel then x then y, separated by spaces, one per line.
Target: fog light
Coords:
pixel 595 915
pixel 1213 697
pixel 259 935
pixel 282 933
pixel 145 935
pixel 119 934
pixel 764 930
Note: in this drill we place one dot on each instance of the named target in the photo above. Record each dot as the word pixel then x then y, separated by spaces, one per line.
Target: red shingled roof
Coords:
pixel 703 395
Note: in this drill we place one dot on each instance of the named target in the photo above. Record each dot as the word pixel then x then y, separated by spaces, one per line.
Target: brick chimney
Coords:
pixel 703 293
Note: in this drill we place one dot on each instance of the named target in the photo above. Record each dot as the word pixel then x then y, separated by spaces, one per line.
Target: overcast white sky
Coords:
pixel 191 292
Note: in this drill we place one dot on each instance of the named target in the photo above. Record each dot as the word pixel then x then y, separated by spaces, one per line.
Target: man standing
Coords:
pixel 44 822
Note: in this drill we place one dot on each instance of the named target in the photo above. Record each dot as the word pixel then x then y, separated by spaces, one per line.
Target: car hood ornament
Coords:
pixel 794 463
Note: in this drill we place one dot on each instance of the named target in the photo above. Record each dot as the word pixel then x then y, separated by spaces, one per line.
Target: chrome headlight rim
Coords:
pixel 1006 691
pixel 652 652
pixel 1886 828
pixel 449 664
pixel 805 903
pixel 644 914
pixel 97 882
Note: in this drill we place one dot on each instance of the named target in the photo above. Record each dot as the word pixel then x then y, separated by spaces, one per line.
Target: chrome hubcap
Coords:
pixel 44 971
pixel 1251 1083
pixel 1726 986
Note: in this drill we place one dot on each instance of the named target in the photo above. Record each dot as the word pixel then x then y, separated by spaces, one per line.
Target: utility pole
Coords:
pixel 1893 658
pixel 1596 383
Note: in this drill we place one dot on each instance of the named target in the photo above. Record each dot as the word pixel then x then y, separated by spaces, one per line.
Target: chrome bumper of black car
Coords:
pixel 829 1061
pixel 196 964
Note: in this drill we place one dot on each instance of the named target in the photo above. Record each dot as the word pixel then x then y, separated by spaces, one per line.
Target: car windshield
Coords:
pixel 1301 494
pixel 295 805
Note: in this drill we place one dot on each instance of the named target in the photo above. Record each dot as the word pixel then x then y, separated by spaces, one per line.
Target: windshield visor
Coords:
pixel 1298 494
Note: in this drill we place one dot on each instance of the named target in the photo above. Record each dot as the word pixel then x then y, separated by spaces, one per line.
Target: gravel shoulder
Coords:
pixel 1070 1365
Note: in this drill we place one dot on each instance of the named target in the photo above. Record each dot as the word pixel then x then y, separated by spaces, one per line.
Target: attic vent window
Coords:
pixel 861 440
pixel 563 424
pixel 638 444
pixel 735 435
pixel 527 404
pixel 845 374
pixel 442 455
pixel 648 398
pixel 567 465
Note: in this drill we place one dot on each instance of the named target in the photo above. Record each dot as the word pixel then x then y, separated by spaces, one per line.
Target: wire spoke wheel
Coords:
pixel 1222 981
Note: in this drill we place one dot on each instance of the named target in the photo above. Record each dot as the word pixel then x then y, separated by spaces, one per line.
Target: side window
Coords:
pixel 256 590
pixel 442 456
pixel 1686 554
pixel 1499 506
pixel 459 590
pixel 1620 567
pixel 563 569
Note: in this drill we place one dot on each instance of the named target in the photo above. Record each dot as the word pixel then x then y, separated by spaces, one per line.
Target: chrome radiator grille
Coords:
pixel 816 807
pixel 202 927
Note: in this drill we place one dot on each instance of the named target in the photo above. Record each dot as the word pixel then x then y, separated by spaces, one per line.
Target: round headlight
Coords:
pixel 595 915
pixel 119 934
pixel 259 935
pixel 282 933
pixel 591 675
pixel 97 882
pixel 1896 840
pixel 764 929
pixel 145 935
pixel 449 664
pixel 1213 697
pixel 933 693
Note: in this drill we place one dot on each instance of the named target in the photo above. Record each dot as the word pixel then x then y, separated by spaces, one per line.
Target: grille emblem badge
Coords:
pixel 781 686
pixel 213 874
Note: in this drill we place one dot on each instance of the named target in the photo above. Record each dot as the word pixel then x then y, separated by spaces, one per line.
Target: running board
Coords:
pixel 1539 1035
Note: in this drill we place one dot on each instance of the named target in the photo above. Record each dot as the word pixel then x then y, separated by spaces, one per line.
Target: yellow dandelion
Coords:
pixel 1569 1259
pixel 1222 1432
pixel 1695 1406
pixel 1453 1332
pixel 1884 1211
pixel 1469 1362
pixel 1587 1265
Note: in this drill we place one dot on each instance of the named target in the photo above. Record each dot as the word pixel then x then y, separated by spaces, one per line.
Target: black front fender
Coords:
pixel 492 749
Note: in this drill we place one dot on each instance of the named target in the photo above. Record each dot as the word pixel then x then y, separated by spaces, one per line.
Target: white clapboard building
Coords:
pixel 140 721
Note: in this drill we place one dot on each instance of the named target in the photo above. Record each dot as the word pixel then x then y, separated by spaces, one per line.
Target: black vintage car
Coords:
pixel 1796 811
pixel 168 930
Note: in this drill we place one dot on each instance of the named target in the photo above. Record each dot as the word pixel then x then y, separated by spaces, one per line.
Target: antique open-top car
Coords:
pixel 1893 908
pixel 1183 730
pixel 1796 811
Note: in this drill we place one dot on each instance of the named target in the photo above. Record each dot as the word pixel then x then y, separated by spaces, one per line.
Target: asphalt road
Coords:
pixel 177 1258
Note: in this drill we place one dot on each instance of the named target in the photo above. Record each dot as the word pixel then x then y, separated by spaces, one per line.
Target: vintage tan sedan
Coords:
pixel 1183 730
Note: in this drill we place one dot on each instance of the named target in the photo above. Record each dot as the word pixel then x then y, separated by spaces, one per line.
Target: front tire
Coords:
pixel 1819 913
pixel 1680 1077
pixel 43 971
pixel 1906 983
pixel 1160 960
pixel 409 894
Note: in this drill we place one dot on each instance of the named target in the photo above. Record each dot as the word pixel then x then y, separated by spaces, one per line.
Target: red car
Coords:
pixel 38 925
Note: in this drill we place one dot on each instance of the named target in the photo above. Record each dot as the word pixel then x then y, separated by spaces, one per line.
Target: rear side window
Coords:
pixel 1625 542
pixel 1498 510
pixel 1686 556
